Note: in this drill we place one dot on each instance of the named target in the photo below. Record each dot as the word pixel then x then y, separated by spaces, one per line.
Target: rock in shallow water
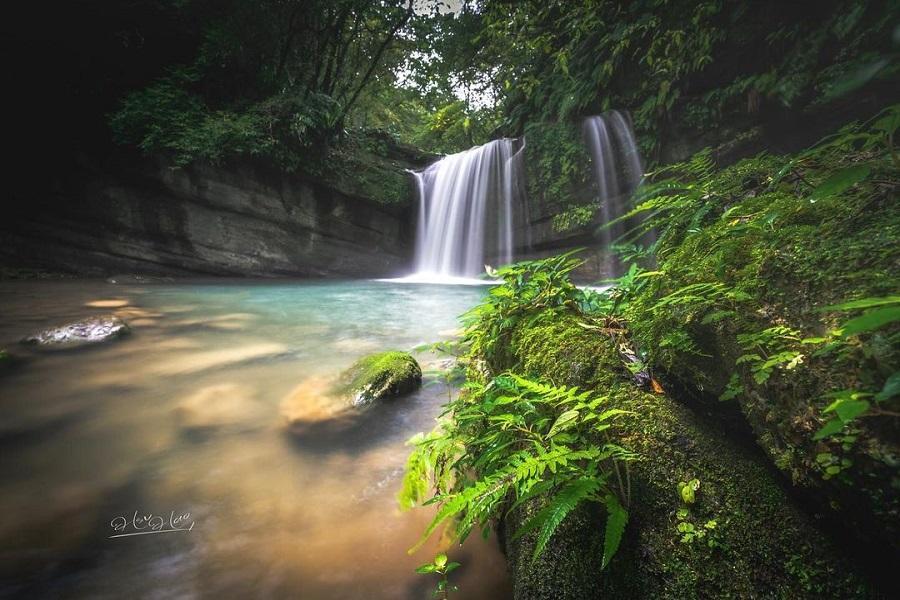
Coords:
pixel 311 402
pixel 219 406
pixel 86 331
pixel 380 376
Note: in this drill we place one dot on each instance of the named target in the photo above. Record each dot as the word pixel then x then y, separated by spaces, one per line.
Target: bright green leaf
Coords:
pixel 864 303
pixel 563 422
pixel 872 320
pixel 616 519
pixel 830 428
pixel 891 388
pixel 840 182
pixel 849 410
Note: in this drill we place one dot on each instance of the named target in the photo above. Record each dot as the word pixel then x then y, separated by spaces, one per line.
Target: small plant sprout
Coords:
pixel 442 568
pixel 688 490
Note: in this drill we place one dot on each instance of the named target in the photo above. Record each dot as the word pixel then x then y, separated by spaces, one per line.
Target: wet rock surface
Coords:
pixel 5 360
pixel 86 331
pixel 380 376
pixel 144 222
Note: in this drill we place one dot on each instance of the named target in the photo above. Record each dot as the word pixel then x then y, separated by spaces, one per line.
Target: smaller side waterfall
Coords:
pixel 617 171
pixel 466 211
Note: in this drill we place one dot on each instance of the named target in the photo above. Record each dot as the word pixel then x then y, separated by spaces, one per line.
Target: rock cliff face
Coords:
pixel 145 217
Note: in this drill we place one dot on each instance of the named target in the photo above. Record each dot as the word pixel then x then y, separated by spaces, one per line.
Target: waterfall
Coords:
pixel 617 172
pixel 466 211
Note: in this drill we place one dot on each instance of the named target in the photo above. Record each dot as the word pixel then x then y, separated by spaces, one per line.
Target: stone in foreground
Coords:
pixel 380 376
pixel 86 331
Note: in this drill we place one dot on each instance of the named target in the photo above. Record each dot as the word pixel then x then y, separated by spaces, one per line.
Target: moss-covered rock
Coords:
pixel 5 359
pixel 755 541
pixel 746 271
pixel 569 569
pixel 380 376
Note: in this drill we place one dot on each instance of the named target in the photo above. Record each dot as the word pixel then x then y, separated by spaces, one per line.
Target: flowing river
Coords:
pixel 185 418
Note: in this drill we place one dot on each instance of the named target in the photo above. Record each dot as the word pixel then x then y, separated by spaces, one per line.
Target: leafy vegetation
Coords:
pixel 775 287
pixel 442 568
pixel 771 286
pixel 277 79
pixel 313 86
pixel 528 286
pixel 508 441
pixel 269 78
pixel 682 65
pixel 558 173
pixel 534 344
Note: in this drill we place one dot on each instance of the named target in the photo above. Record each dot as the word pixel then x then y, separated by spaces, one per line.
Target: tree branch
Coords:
pixel 375 60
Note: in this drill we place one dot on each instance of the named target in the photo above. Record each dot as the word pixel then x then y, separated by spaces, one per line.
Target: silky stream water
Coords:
pixel 187 415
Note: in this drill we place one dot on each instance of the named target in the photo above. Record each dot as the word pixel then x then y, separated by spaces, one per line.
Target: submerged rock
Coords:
pixel 197 361
pixel 380 376
pixel 87 331
pixel 219 406
pixel 311 402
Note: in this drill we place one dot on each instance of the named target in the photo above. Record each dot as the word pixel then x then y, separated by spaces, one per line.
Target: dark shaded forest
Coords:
pixel 714 416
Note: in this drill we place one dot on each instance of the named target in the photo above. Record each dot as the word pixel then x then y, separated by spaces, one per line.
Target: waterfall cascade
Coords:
pixel 617 171
pixel 466 214
pixel 466 200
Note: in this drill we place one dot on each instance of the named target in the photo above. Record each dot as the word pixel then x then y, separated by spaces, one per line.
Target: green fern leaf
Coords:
pixel 560 505
pixel 563 422
pixel 617 518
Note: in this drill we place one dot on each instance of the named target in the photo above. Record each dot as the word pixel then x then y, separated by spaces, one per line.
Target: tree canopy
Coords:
pixel 278 77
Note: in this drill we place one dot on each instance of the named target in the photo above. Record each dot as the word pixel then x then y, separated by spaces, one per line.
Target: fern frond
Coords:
pixel 616 519
pixel 548 519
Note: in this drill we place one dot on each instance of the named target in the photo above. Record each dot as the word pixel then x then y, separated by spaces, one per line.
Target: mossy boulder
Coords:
pixel 380 376
pixel 5 359
pixel 756 541
pixel 767 292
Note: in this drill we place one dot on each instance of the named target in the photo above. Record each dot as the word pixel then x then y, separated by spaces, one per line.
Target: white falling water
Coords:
pixel 617 171
pixel 466 211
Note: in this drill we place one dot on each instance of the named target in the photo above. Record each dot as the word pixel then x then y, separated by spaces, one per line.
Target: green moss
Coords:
pixel 368 164
pixel 380 376
pixel 567 360
pixel 758 253
pixel 570 568
pixel 759 531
